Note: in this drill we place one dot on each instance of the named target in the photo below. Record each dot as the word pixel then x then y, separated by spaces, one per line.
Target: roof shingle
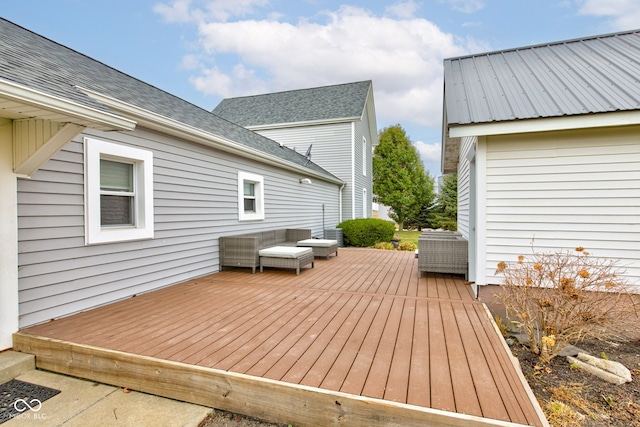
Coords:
pixel 344 101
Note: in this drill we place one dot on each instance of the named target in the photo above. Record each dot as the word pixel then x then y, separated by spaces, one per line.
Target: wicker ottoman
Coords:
pixel 286 257
pixel 321 247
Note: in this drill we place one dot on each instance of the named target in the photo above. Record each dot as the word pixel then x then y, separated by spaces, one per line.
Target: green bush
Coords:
pixel 366 232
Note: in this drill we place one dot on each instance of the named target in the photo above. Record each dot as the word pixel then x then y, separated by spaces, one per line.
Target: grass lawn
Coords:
pixel 409 236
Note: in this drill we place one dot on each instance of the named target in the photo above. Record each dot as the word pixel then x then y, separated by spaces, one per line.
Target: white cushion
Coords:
pixel 284 252
pixel 320 243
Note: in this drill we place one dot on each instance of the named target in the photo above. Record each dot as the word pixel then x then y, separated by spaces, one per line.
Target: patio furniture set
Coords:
pixel 438 251
pixel 442 252
pixel 282 248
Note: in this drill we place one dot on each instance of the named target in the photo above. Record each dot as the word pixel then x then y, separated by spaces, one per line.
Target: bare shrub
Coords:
pixel 387 246
pixel 563 297
pixel 407 246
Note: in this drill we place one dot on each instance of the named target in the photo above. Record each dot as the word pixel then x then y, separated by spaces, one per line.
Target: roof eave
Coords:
pixel 583 121
pixel 370 111
pixel 35 104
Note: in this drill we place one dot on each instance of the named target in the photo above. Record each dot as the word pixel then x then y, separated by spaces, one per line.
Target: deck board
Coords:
pixel 363 323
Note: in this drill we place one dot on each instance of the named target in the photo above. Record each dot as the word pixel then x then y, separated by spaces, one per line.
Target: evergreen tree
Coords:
pixel 445 212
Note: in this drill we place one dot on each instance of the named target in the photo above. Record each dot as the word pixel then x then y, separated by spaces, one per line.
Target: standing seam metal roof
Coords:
pixel 38 63
pixel 582 76
pixel 344 101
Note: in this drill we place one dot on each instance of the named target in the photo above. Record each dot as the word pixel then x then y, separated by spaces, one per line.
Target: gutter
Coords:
pixel 158 122
pixel 303 123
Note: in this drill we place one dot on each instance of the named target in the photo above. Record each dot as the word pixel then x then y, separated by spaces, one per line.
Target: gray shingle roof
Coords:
pixel 582 76
pixel 344 101
pixel 38 63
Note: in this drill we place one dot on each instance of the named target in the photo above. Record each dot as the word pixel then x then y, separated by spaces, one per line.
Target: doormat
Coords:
pixel 23 399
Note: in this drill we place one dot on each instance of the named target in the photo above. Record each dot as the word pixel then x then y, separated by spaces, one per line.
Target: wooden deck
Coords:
pixel 358 340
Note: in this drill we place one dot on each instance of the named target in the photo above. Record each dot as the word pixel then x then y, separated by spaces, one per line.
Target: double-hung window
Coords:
pixel 119 192
pixel 250 196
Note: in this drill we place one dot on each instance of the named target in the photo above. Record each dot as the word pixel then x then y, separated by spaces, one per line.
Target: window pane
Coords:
pixel 116 210
pixel 249 205
pixel 249 189
pixel 116 176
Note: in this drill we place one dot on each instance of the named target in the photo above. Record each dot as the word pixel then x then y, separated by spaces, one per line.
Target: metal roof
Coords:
pixel 37 63
pixel 344 101
pixel 582 76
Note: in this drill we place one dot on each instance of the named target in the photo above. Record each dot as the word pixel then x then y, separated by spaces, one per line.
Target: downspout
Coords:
pixel 340 202
pixel 353 170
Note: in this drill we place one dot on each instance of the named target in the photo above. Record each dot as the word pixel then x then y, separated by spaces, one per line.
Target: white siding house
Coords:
pixel 335 124
pixel 111 187
pixel 546 143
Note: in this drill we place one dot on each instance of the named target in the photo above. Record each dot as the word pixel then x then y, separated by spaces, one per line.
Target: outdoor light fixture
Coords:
pixel 305 181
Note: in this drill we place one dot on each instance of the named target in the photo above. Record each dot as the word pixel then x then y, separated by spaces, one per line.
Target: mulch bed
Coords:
pixel 597 402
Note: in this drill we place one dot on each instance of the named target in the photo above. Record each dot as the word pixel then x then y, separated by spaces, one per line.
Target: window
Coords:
pixel 250 197
pixel 364 156
pixel 119 192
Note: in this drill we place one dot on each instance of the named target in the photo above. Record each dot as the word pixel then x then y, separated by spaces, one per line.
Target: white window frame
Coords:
pixel 142 161
pixel 258 182
pixel 364 156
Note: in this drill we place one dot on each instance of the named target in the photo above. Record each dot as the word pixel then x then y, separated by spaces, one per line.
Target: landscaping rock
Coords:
pixel 608 370
pixel 570 350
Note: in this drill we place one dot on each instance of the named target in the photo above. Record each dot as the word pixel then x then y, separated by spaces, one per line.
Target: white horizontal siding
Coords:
pixel 195 202
pixel 363 161
pixel 558 191
pixel 464 182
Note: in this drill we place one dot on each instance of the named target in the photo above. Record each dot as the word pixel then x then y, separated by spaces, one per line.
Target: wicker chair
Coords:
pixel 440 252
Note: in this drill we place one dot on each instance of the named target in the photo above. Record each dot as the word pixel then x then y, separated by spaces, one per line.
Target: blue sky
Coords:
pixel 206 50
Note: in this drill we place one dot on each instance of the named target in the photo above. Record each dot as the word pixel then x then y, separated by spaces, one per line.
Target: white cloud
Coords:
pixel 428 152
pixel 403 9
pixel 403 57
pixel 430 156
pixel 212 81
pixel 178 11
pixel 220 10
pixel 465 6
pixel 623 14
pixel 190 62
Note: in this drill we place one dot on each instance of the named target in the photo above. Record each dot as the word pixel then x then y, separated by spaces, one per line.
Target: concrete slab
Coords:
pixel 140 409
pixel 86 403
pixel 13 364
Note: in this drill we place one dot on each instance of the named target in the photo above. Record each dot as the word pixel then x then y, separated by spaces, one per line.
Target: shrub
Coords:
pixel 563 297
pixel 407 246
pixel 366 232
pixel 387 246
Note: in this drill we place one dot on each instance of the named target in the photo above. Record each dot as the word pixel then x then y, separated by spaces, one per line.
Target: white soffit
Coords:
pixel 621 118
pixel 17 101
